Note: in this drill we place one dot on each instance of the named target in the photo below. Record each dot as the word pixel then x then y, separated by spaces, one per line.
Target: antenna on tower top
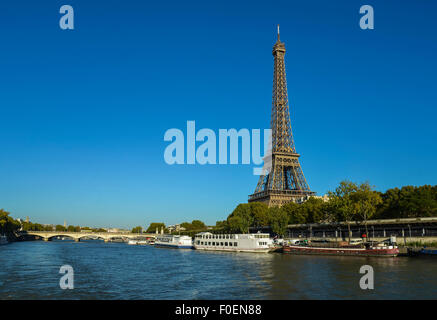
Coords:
pixel 278 32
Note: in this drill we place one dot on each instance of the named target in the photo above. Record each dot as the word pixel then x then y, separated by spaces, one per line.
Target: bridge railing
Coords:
pixel 106 234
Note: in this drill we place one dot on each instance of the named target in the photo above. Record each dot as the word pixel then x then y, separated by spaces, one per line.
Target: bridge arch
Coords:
pixel 90 236
pixel 49 238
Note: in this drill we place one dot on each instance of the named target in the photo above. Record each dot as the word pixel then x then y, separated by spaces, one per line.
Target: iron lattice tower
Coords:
pixel 283 181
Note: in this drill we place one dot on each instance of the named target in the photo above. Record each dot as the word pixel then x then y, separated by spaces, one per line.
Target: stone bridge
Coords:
pixel 76 236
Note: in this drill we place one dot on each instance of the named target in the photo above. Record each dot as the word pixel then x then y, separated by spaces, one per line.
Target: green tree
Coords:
pixel 38 227
pixel 221 224
pixel 408 202
pixel 295 216
pixel 365 202
pixel 8 225
pixel 313 210
pixel 278 220
pixel 237 224
pixel 155 226
pixel 186 225
pixel 241 218
pixel 260 214
pixel 60 228
pixel 198 225
pixel 137 229
pixel 341 201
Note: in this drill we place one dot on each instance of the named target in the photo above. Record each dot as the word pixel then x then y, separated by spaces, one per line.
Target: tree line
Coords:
pixel 348 202
pixel 191 228
pixel 9 225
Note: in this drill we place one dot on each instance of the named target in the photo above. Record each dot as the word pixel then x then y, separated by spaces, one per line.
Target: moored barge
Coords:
pixel 367 250
pixel 252 242
pixel 174 241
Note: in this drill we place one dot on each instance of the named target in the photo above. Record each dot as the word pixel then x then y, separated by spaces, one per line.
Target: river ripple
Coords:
pixel 30 270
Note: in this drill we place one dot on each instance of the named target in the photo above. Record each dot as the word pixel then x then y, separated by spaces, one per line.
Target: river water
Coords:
pixel 30 270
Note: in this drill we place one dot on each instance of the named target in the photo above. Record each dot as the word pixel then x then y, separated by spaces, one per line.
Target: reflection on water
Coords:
pixel 30 270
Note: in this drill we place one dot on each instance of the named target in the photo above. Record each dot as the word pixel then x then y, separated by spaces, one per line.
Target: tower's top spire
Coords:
pixel 279 46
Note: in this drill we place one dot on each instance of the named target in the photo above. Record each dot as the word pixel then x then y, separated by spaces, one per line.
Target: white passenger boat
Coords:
pixel 252 242
pixel 174 241
pixel 132 242
pixel 3 240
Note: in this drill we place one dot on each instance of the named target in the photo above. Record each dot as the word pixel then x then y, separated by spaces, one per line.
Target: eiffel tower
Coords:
pixel 283 181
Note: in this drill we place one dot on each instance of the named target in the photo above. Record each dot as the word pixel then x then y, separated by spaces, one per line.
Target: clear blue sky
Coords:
pixel 83 113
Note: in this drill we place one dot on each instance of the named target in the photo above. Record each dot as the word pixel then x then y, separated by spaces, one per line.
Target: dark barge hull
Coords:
pixel 385 252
